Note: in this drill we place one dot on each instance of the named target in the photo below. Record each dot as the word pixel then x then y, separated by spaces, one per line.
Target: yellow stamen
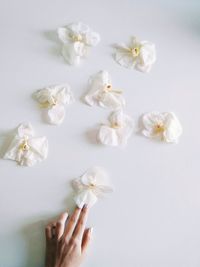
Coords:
pixel 159 128
pixel 135 51
pixel 24 146
pixel 77 37
pixel 116 125
pixel 109 88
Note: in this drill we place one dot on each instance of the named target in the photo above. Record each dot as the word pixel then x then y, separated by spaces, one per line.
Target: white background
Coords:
pixel 153 218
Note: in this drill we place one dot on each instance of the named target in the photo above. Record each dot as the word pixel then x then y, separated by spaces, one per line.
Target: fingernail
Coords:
pixel 91 230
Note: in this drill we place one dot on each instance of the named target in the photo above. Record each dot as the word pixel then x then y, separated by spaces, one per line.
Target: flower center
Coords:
pixel 77 37
pixel 135 51
pixel 159 128
pixel 108 88
pixel 24 146
pixel 115 125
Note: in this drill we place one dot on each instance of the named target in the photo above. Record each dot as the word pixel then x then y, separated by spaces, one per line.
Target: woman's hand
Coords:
pixel 67 239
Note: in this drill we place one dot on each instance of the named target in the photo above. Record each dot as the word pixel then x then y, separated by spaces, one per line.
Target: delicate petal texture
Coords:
pixel 162 125
pixel 91 186
pixel 118 131
pixel 53 98
pixel 25 148
pixel 102 93
pixel 76 39
pixel 56 114
pixel 138 55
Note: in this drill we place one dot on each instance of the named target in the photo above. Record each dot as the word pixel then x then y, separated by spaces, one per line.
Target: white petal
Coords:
pixel 79 28
pixel 74 52
pixel 85 197
pixel 12 150
pixel 39 147
pixel 25 129
pixel 63 94
pixel 92 38
pixel 42 95
pixel 147 53
pixel 63 34
pixel 107 136
pixel 174 129
pixel 56 114
pixel 95 175
pixel 124 58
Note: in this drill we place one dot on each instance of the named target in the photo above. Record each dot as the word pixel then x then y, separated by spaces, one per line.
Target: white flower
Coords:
pixel 102 93
pixel 25 148
pixel 93 184
pixel 118 131
pixel 53 99
pixel 138 55
pixel 162 125
pixel 76 39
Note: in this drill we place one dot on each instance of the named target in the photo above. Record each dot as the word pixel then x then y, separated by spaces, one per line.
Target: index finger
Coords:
pixel 80 226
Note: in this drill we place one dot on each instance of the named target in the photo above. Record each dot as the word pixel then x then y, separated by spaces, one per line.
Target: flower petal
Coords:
pixel 108 136
pixel 92 38
pixel 173 129
pixel 124 58
pixel 56 114
pixel 63 34
pixel 85 197
pixel 73 52
pixel 25 129
pixel 94 175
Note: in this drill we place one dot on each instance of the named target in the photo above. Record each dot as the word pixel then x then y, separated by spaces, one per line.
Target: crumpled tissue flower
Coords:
pixel 118 131
pixel 102 93
pixel 77 38
pixel 91 186
pixel 26 149
pixel 53 99
pixel 162 125
pixel 140 55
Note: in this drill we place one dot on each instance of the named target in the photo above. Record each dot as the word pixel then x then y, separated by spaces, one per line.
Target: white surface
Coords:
pixel 153 218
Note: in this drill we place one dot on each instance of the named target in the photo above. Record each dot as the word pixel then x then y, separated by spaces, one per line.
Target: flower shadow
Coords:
pixel 5 140
pixel 91 135
pixel 55 49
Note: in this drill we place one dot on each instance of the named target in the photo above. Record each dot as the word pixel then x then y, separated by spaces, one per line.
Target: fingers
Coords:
pixel 80 226
pixel 60 225
pixel 86 239
pixel 71 224
pixel 48 232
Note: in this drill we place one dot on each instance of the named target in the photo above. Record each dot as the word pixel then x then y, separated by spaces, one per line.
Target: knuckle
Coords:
pixel 74 241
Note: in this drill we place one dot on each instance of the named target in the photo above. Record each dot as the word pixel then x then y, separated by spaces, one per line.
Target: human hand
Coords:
pixel 67 239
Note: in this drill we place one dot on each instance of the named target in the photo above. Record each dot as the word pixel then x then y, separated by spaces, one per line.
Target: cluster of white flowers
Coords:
pixel 77 39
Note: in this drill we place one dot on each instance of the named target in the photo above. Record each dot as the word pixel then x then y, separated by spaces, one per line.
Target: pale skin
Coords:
pixel 67 239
